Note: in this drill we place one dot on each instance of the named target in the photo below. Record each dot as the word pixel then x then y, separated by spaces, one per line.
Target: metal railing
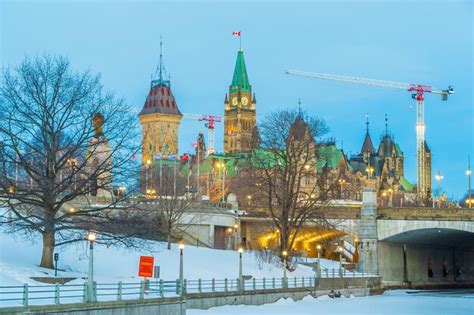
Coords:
pixel 25 295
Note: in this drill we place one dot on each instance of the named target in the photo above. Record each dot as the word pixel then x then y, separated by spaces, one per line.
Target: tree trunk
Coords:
pixel 169 241
pixel 48 249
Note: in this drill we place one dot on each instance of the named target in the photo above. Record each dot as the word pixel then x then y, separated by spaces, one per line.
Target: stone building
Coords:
pixel 239 111
pixel 159 119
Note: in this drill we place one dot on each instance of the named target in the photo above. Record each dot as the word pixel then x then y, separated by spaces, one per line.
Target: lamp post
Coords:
pixel 181 273
pixel 223 182
pixel 341 182
pixel 249 199
pixel 90 277
pixel 236 236
pixel 390 195
pixel 370 171
pixel 469 173
pixel 339 249
pixel 241 278
pixel 318 269
pixel 229 233
pixel 72 162
pixel 148 163
pixel 285 257
pixel 439 177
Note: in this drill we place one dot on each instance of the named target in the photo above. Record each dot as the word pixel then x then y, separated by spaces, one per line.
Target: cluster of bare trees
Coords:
pixel 171 200
pixel 64 141
pixel 283 176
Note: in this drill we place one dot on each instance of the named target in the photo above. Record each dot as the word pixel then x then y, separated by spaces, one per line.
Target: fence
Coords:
pixel 74 293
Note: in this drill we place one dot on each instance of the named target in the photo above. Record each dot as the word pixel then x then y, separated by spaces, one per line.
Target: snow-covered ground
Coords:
pixel 19 261
pixel 390 303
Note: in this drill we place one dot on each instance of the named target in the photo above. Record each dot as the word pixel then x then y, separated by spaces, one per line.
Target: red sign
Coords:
pixel 145 268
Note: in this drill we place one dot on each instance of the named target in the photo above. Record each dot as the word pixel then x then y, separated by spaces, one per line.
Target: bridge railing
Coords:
pixel 25 295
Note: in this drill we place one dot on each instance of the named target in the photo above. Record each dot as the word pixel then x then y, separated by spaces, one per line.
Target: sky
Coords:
pixel 429 42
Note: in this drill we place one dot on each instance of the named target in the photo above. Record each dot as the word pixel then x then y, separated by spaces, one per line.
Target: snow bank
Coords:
pixel 19 261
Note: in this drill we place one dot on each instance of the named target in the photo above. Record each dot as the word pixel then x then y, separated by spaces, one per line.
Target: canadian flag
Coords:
pixel 236 33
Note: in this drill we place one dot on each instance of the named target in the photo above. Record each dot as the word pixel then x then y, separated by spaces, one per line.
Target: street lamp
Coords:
pixel 181 274
pixel 341 182
pixel 249 199
pixel 122 190
pixel 285 257
pixel 439 177
pixel 241 278
pixel 72 210
pixel 148 163
pixel 236 235
pixel 72 162
pixel 339 249
pixel 469 173
pixel 90 277
pixel 220 167
pixel 369 170
pixel 318 270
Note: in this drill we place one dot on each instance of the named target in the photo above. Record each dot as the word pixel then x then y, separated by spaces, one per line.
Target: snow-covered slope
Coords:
pixel 19 261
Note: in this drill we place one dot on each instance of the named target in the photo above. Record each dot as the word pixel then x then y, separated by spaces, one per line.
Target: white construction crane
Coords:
pixel 211 120
pixel 418 91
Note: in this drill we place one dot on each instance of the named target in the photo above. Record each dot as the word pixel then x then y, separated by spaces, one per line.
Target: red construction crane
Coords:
pixel 210 124
pixel 417 91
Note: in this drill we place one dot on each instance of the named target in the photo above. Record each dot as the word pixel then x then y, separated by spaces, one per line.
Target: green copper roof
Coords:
pixel 331 156
pixel 240 81
pixel 406 185
pixel 398 150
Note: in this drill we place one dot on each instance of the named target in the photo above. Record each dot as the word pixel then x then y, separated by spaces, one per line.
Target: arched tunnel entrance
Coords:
pixel 427 257
pixel 264 236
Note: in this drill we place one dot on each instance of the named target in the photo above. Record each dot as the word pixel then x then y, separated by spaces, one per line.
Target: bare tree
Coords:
pixel 173 201
pixel 284 173
pixel 66 144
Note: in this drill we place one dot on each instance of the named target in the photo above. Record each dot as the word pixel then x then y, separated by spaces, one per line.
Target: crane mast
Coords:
pixel 210 125
pixel 418 91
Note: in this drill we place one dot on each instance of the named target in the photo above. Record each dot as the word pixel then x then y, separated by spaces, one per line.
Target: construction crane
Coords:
pixel 210 124
pixel 417 91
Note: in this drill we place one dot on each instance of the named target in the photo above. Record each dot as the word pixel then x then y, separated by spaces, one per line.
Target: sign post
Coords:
pixel 145 269
pixel 56 258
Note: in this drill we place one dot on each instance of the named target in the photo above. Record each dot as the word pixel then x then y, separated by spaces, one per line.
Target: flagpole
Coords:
pixel 198 170
pixel 174 180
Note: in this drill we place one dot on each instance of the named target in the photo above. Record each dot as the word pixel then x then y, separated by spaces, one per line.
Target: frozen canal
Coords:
pixel 447 302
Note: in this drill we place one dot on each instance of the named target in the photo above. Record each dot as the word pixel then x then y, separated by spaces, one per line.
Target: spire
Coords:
pixel 240 81
pixel 386 125
pixel 160 77
pixel 367 121
pixel 300 113
pixel 367 146
pixel 161 58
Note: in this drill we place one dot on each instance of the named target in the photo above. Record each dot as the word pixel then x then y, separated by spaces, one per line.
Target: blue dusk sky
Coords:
pixel 429 42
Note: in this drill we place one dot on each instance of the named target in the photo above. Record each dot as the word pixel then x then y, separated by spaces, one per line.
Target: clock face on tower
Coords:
pixel 245 101
pixel 235 101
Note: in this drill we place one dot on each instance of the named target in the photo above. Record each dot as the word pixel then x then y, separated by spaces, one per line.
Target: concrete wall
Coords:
pixel 347 287
pixel 391 263
pixel 145 307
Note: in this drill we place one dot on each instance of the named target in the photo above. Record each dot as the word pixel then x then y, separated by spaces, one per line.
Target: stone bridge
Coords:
pixel 417 247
